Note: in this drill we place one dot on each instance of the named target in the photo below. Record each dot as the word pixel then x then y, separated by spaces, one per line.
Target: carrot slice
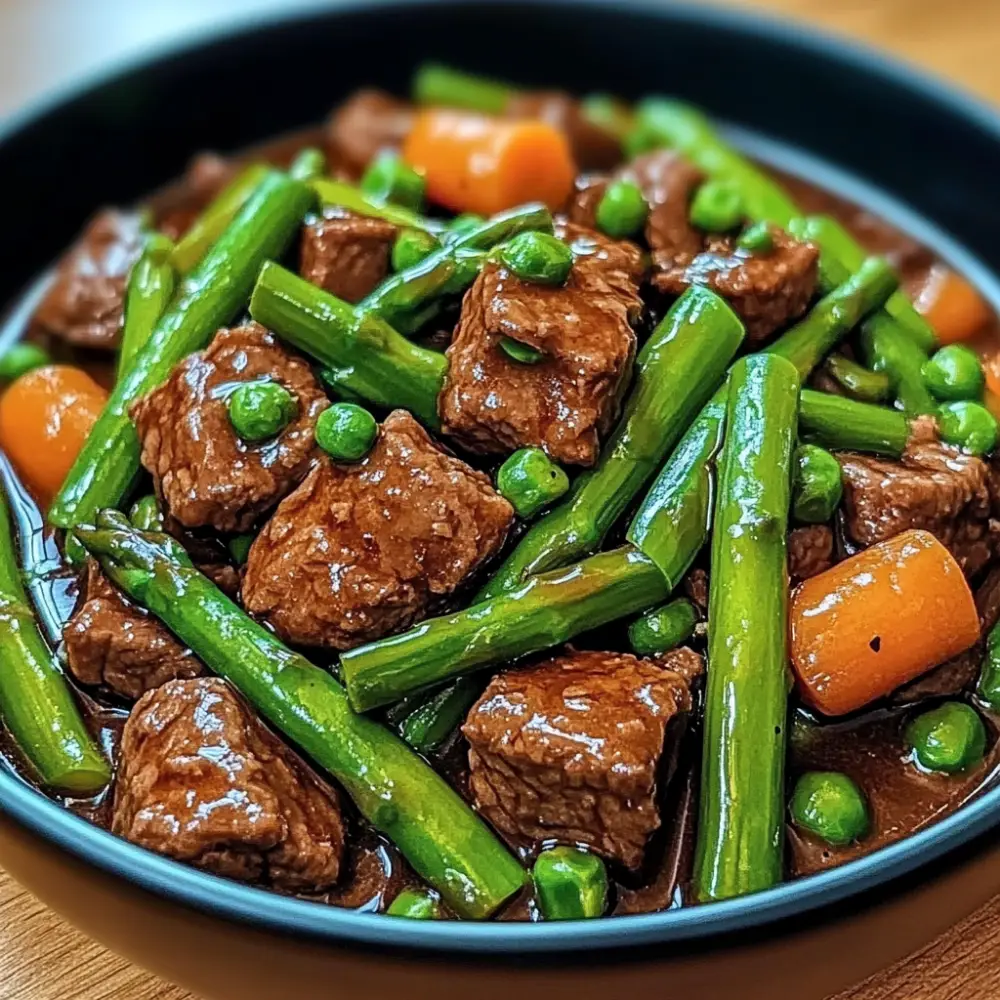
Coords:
pixel 45 416
pixel 475 163
pixel 879 620
pixel 952 306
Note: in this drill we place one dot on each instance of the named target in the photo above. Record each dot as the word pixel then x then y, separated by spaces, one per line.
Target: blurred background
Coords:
pixel 46 45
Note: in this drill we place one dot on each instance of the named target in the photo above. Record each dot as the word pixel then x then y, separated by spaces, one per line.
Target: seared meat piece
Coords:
pixel 566 401
pixel 810 551
pixel 696 589
pixel 594 148
pixel 933 487
pixel 346 255
pixel 569 750
pixel 960 673
pixel 368 121
pixel 111 641
pixel 201 780
pixel 85 301
pixel 360 551
pixel 207 174
pixel 205 474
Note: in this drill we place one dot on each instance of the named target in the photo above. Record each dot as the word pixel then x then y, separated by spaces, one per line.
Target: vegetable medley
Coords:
pixel 502 505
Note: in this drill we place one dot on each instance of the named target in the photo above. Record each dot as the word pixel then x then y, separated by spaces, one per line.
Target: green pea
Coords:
pixel 663 628
pixel 950 738
pixel 461 226
pixel 538 257
pixel 410 247
pixel 968 425
pixel 19 359
pixel 830 806
pixel 570 884
pixel 818 485
pixel 260 410
pixel 757 238
pixel 239 547
pixel 346 431
pixel 388 178
pixel 416 904
pixel 523 354
pixel 531 481
pixel 622 210
pixel 146 514
pixel 988 688
pixel 717 207
pixel 954 372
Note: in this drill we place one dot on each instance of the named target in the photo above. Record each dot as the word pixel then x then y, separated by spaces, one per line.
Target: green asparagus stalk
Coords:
pixel 344 195
pixel 740 842
pixel 547 610
pixel 428 721
pixel 434 84
pixel 36 703
pixel 393 788
pixel 842 424
pixel 859 382
pixel 214 220
pixel 211 296
pixel 308 165
pixel 148 293
pixel 663 629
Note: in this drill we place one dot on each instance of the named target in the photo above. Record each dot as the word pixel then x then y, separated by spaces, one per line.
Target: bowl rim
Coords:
pixel 263 909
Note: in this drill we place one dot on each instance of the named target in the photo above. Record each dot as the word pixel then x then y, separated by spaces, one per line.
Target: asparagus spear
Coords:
pixel 36 703
pixel 149 291
pixel 209 297
pixel 846 425
pixel 859 382
pixel 399 794
pixel 343 195
pixel 740 828
pixel 663 628
pixel 308 165
pixel 435 84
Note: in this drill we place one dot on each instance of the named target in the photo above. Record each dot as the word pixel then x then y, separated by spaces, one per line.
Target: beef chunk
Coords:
pixel 369 121
pixel 933 487
pixel 202 781
pixel 110 641
pixel 346 255
pixel 810 551
pixel 360 551
pixel 205 474
pixel 566 401
pixel 958 674
pixel 84 304
pixel 569 750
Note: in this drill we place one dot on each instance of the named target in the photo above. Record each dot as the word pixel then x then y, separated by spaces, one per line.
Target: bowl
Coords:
pixel 841 115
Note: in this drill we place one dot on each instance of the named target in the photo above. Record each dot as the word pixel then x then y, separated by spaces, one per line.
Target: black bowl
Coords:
pixel 835 113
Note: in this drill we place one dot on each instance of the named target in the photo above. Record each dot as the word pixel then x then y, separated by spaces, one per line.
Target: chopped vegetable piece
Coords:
pixel 19 359
pixel 344 195
pixel 474 163
pixel 663 629
pixel 45 419
pixel 346 432
pixel 462 225
pixel 847 425
pixel 148 293
pixel 429 720
pixel 416 904
pixel 859 382
pixel 309 164
pixel 435 84
pixel 622 210
pixel 523 354
pixel 388 178
pixel 817 487
pixel 757 238
pixel 608 113
pixel 955 372
pixel 950 738
pixel 831 806
pixel 410 247
pixel 740 830
pixel 886 348
pixel 260 410
pixel 988 688
pixel 571 884
pixel 969 426
pixel 145 514
pixel 538 257
pixel 531 481
pixel 717 207
pixel 952 306
pixel 879 620
pixel 239 547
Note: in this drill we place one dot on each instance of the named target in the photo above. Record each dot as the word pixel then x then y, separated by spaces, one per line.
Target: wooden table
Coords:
pixel 46 42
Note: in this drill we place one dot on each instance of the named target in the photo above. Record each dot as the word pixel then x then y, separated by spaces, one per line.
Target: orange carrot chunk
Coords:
pixel 952 306
pixel 45 416
pixel 879 620
pixel 475 163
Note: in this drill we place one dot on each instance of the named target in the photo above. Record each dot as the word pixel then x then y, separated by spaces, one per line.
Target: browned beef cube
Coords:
pixel 205 473
pixel 110 641
pixel 570 750
pixel 85 302
pixel 810 551
pixel 594 148
pixel 933 487
pixel 367 122
pixel 202 781
pixel 346 255
pixel 360 551
pixel 569 399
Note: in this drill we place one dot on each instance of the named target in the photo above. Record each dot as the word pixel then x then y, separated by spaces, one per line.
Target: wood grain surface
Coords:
pixel 46 43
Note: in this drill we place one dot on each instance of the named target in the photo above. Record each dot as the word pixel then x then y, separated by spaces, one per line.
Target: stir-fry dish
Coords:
pixel 499 504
